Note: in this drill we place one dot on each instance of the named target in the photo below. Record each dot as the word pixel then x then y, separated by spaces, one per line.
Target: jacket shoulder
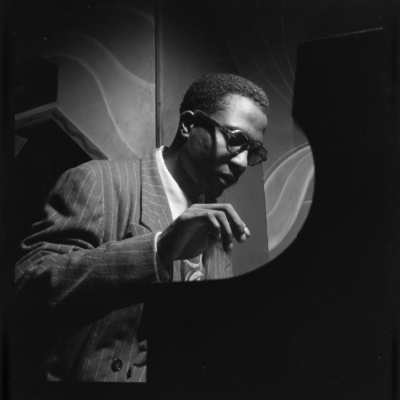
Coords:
pixel 103 169
pixel 104 165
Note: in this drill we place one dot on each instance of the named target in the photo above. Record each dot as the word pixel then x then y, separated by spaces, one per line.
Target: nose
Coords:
pixel 241 159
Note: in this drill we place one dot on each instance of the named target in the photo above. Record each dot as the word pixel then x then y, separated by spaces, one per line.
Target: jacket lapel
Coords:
pixel 217 263
pixel 156 213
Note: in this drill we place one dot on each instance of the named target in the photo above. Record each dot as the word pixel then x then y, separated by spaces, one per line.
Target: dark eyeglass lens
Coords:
pixel 253 158
pixel 237 140
pixel 257 155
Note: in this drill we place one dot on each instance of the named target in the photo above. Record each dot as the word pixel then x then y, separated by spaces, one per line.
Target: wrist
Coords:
pixel 164 268
pixel 162 252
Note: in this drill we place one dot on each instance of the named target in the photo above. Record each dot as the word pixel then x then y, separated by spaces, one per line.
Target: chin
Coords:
pixel 217 193
pixel 214 190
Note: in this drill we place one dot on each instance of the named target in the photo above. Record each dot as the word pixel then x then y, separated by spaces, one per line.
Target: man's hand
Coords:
pixel 199 228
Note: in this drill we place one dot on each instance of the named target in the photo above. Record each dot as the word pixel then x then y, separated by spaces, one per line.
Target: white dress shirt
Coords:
pixel 177 200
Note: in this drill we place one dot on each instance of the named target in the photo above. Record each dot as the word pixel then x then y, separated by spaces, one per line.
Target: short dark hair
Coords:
pixel 209 93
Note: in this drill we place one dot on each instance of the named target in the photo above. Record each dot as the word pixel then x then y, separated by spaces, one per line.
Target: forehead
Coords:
pixel 244 114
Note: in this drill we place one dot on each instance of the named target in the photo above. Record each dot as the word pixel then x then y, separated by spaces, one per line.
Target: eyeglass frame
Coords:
pixel 249 145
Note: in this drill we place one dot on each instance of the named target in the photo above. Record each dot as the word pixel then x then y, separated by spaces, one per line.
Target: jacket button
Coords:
pixel 116 365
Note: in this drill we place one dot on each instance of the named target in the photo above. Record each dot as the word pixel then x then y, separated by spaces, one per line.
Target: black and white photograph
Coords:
pixel 201 199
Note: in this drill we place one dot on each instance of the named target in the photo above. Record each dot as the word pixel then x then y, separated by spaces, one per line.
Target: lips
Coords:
pixel 227 179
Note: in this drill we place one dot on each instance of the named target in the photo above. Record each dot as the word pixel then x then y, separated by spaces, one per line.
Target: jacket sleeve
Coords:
pixel 77 262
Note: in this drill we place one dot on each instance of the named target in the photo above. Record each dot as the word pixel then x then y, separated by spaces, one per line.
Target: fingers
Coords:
pixel 213 223
pixel 199 228
pixel 236 226
pixel 221 229
pixel 224 223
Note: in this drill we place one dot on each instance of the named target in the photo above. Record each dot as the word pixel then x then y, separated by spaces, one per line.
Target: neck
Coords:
pixel 173 162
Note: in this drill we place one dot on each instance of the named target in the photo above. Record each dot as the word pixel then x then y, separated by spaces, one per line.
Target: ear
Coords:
pixel 186 123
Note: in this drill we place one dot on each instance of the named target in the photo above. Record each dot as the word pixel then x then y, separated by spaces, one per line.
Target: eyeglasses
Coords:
pixel 238 141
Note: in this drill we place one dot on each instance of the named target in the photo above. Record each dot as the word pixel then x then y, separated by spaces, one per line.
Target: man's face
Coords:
pixel 205 157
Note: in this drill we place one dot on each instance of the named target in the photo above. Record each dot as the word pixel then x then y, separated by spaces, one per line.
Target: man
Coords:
pixel 111 227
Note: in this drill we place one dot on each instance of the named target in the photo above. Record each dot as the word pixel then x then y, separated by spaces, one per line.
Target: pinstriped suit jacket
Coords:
pixel 85 269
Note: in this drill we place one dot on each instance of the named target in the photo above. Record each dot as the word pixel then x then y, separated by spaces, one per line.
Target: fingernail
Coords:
pixel 246 231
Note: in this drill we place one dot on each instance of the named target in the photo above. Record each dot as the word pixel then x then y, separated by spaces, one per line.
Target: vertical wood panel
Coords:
pixel 158 66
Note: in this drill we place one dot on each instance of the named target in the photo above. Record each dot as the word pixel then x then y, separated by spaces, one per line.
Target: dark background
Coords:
pixel 321 321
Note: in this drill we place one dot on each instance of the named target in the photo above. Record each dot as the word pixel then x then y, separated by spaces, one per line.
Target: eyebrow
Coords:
pixel 235 128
